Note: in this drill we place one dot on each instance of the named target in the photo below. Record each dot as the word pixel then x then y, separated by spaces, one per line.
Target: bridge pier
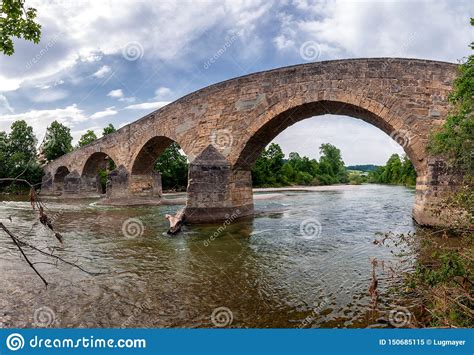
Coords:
pixel 72 184
pixel 216 190
pixel 433 192
pixel 125 188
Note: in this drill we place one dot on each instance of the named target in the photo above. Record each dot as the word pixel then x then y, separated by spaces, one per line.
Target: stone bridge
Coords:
pixel 223 128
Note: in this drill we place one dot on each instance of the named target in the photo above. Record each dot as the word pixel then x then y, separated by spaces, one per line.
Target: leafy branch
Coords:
pixel 17 21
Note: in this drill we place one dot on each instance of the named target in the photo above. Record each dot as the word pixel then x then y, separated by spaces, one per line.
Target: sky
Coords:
pixel 114 61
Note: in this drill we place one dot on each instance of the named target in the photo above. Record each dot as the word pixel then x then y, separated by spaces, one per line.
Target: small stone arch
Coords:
pixel 90 179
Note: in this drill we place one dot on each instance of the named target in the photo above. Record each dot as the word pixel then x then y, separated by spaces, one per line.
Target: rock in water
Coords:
pixel 176 221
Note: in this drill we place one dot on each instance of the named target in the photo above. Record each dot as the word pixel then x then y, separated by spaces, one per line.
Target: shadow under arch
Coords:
pixel 95 171
pixel 254 145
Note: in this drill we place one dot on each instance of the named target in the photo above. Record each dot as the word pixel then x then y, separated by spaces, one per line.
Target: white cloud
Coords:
pixel 359 142
pixel 74 33
pixel 148 105
pixel 76 134
pixel 128 99
pixel 49 95
pixel 422 29
pixel 103 71
pixel 41 119
pixel 9 84
pixel 163 93
pixel 118 93
pixel 109 111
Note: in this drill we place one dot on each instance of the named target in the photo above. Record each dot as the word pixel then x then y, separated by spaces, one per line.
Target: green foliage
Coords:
pixel 450 264
pixel 267 170
pixel 395 172
pixel 356 178
pixel 173 167
pixel 18 156
pixel 103 176
pixel 108 130
pixel 87 138
pixel 331 166
pixel 271 169
pixel 16 21
pixel 455 140
pixel 58 141
pixel 443 277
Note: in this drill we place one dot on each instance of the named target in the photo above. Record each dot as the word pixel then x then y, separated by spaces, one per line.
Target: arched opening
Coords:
pixel 159 166
pixel 58 179
pixel 277 124
pixel 95 172
pixel 330 150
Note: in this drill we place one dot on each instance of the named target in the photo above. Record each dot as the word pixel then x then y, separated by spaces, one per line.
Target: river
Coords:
pixel 304 260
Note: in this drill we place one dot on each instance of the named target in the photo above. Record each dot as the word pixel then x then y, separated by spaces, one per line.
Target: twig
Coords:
pixel 57 258
pixel 22 252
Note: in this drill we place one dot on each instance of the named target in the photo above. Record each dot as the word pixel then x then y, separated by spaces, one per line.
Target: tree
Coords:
pixel 87 138
pixel 267 170
pixel 3 155
pixel 396 172
pixel 271 169
pixel 22 140
pixel 17 21
pixel 108 130
pixel 18 154
pixel 173 167
pixel 331 165
pixel 57 142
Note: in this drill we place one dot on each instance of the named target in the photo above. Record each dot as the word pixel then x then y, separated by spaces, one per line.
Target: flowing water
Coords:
pixel 304 260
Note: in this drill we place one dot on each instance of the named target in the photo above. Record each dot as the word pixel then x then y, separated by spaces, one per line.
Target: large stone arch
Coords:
pixel 216 125
pixel 264 130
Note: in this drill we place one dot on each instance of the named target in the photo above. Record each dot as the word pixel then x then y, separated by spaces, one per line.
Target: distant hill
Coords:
pixel 366 167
